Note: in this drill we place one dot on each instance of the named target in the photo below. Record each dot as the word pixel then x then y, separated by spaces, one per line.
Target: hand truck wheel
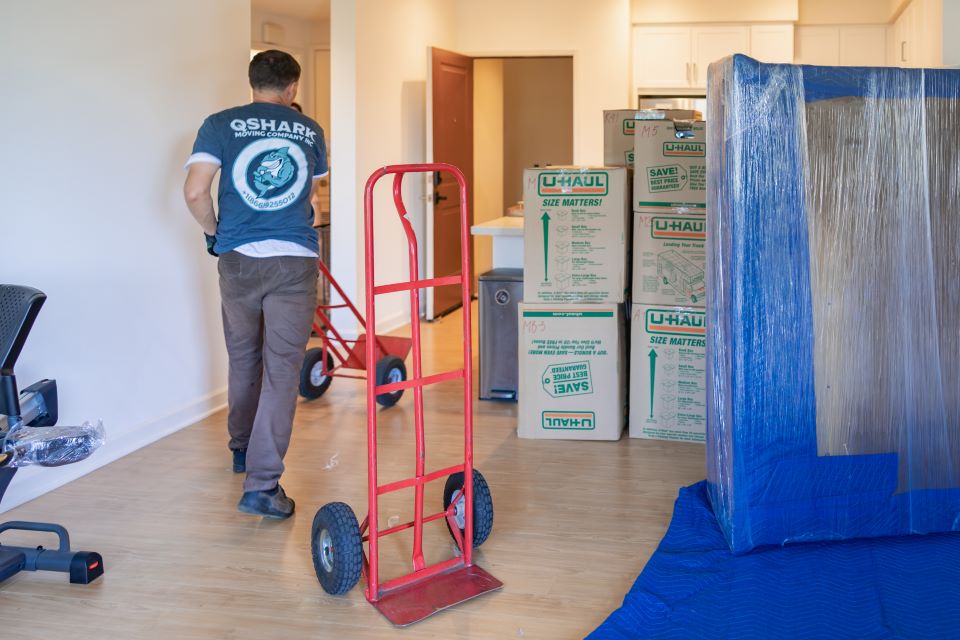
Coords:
pixel 337 548
pixel 390 369
pixel 482 506
pixel 313 381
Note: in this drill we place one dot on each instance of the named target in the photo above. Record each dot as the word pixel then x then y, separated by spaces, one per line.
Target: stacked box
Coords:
pixel 576 235
pixel 669 283
pixel 576 281
pixel 572 372
pixel 667 373
pixel 620 126
pixel 833 353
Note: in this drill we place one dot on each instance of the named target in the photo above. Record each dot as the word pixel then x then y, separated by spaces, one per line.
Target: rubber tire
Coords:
pixel 339 520
pixel 482 505
pixel 384 367
pixel 309 390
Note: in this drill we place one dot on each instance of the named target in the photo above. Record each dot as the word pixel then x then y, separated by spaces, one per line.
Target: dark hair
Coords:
pixel 296 105
pixel 273 70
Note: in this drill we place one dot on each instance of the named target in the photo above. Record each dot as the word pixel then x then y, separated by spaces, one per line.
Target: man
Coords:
pixel 270 156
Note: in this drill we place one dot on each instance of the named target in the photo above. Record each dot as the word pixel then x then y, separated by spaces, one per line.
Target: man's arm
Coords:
pixel 196 191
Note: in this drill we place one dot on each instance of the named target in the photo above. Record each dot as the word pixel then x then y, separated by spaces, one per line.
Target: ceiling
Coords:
pixel 309 9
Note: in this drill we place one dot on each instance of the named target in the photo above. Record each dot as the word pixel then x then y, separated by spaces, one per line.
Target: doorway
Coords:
pixel 516 112
pixel 523 117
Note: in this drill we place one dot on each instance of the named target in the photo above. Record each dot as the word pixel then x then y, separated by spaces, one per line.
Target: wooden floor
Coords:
pixel 574 524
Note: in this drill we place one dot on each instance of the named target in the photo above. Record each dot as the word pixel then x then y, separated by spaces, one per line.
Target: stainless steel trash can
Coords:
pixel 501 290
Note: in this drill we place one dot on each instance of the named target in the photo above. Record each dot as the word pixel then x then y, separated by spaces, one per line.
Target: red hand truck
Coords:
pixel 336 353
pixel 336 537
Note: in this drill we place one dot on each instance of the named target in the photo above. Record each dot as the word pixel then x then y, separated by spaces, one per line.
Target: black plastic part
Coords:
pixel 384 368
pixel 482 505
pixel 48 391
pixel 85 567
pixel 344 556
pixel 9 398
pixel 309 390
pixel 19 307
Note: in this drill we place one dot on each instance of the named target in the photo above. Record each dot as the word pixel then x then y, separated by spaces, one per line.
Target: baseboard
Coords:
pixel 33 482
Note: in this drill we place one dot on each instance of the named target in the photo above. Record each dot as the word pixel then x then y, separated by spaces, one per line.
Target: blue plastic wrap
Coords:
pixel 833 324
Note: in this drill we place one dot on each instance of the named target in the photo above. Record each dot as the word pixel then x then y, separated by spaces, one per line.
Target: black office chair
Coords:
pixel 28 436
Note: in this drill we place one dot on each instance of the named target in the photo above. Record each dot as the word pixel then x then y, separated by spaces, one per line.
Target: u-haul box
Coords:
pixel 576 235
pixel 669 259
pixel 572 367
pixel 670 167
pixel 667 373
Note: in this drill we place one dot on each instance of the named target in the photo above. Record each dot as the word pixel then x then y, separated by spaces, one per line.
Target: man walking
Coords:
pixel 269 156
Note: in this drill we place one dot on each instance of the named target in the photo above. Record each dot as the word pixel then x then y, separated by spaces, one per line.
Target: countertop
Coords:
pixel 504 226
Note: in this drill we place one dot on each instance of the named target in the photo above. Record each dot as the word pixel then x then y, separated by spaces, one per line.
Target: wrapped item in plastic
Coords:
pixel 51 446
pixel 833 319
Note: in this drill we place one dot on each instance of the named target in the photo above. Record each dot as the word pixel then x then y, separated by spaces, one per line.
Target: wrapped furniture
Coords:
pixel 833 317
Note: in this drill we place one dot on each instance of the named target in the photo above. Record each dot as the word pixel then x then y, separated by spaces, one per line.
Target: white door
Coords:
pixel 711 43
pixel 661 57
pixel 772 42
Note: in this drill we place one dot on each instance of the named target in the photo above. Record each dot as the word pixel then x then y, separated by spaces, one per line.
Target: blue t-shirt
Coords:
pixel 268 155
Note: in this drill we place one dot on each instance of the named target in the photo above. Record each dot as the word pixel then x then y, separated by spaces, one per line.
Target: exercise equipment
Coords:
pixel 28 435
pixel 336 537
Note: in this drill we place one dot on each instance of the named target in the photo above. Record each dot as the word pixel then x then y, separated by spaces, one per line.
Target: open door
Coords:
pixel 449 139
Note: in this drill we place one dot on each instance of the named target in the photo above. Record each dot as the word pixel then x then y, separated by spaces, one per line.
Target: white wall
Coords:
pixel 596 34
pixel 951 33
pixel 666 11
pixel 385 80
pixel 102 107
pixel 487 154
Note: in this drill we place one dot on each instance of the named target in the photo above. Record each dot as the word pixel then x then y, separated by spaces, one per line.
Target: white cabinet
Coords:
pixel 662 57
pixel 772 42
pixel 842 45
pixel 711 43
pixel 917 35
pixel 676 57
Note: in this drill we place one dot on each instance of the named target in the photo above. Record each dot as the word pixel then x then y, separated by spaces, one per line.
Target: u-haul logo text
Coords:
pixel 593 183
pixel 569 420
pixel 685 149
pixel 671 228
pixel 671 321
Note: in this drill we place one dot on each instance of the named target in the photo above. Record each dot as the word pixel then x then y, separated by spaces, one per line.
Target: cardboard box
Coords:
pixel 670 171
pixel 576 237
pixel 620 125
pixel 667 373
pixel 669 258
pixel 572 368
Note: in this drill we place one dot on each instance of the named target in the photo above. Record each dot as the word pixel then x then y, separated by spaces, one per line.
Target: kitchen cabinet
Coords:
pixel 842 45
pixel 772 42
pixel 916 38
pixel 676 57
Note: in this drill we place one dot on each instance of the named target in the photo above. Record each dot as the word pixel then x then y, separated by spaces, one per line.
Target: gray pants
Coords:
pixel 268 306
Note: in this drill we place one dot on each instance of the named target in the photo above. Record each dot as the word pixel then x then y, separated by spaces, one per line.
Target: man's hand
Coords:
pixel 196 191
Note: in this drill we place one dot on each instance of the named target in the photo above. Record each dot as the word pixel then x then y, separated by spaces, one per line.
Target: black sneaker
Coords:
pixel 269 504
pixel 239 460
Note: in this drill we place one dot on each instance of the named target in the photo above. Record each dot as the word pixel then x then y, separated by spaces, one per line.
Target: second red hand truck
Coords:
pixel 336 537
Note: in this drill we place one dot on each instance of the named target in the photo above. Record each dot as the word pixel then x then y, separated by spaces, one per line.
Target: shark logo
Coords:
pixel 275 170
pixel 270 175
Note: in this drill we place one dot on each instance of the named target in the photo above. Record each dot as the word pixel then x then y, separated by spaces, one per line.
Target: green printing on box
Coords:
pixel 582 183
pixel 569 420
